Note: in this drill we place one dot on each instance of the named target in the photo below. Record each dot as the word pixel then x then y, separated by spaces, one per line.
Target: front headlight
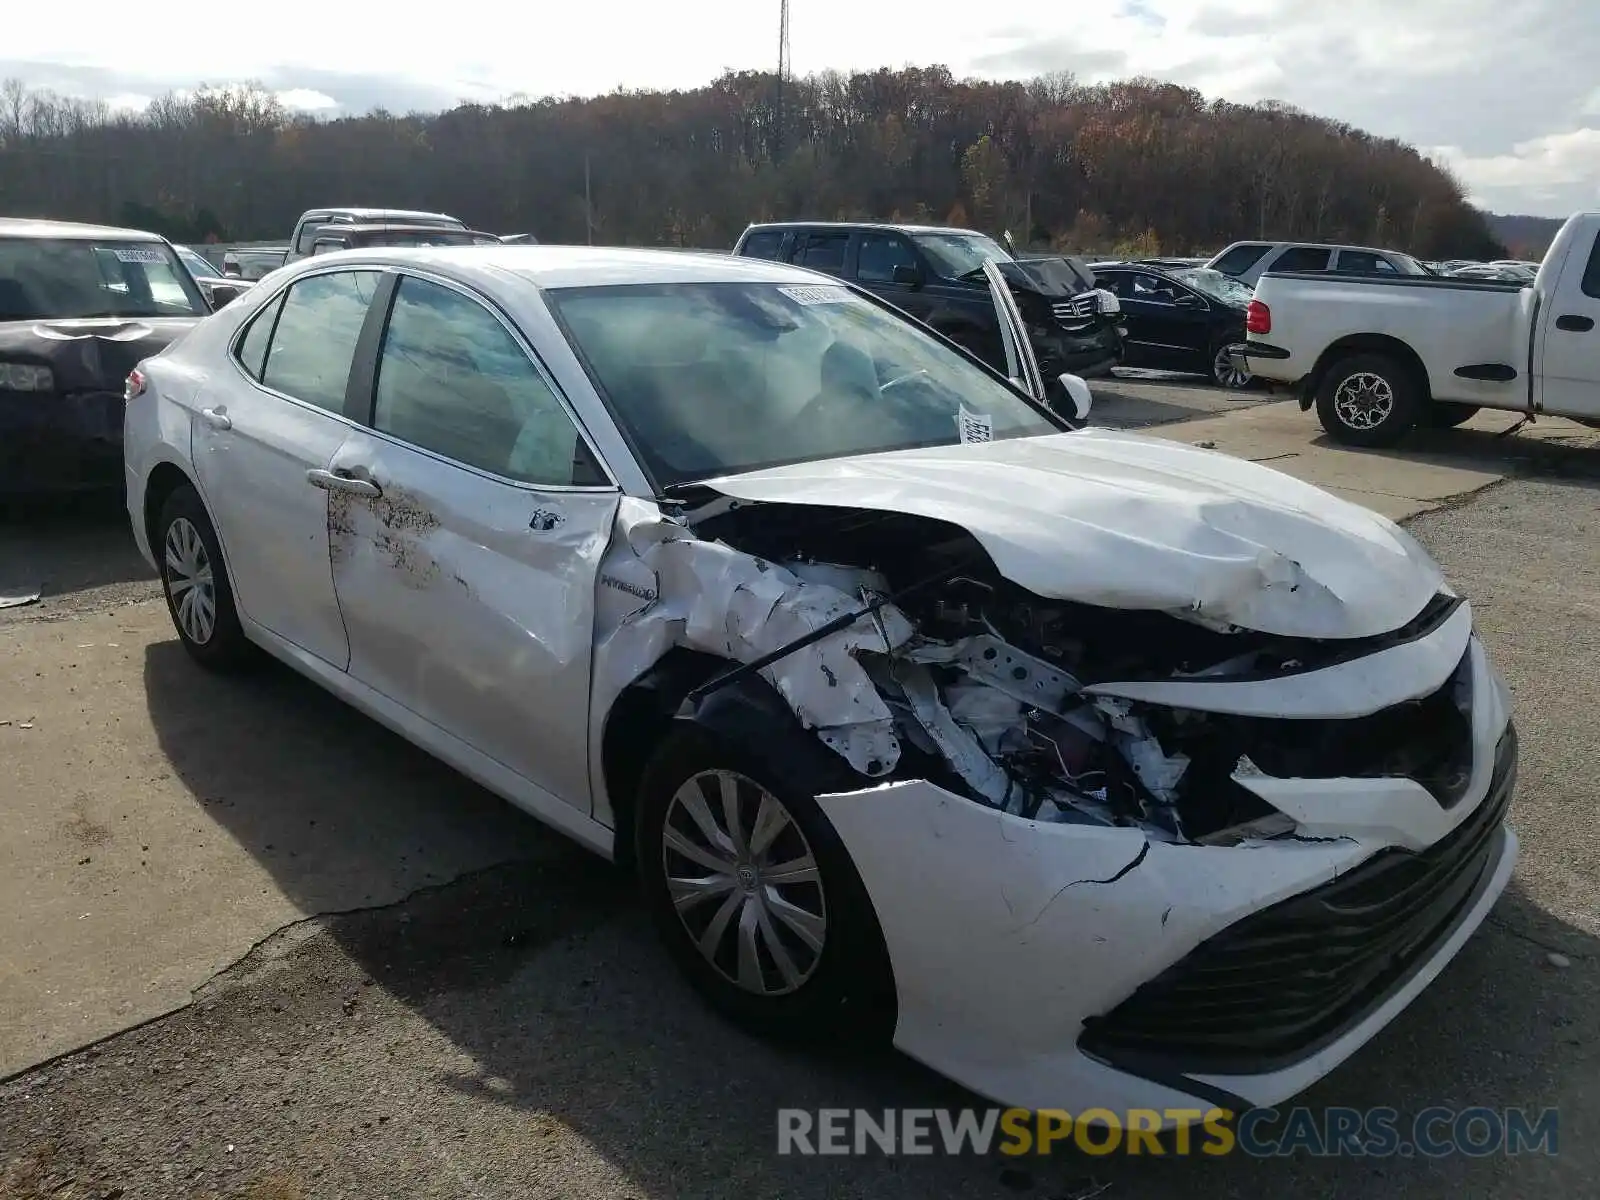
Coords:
pixel 26 377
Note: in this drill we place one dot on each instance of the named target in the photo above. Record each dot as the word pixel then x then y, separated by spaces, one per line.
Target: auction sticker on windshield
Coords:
pixel 139 256
pixel 975 427
pixel 819 295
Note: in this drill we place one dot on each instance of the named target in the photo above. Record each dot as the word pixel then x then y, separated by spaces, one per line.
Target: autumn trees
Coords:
pixel 1138 164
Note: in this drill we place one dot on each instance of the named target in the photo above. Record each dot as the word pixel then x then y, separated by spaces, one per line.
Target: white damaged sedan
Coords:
pixel 1093 770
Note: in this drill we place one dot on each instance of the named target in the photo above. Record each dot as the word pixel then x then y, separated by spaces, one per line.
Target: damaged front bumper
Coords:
pixel 1047 964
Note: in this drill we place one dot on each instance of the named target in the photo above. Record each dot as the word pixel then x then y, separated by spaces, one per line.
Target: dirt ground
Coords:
pixel 253 945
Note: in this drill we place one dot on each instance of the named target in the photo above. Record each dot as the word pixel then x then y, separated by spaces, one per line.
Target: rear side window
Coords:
pixel 452 379
pixel 315 339
pixel 764 243
pixel 252 351
pixel 1591 273
pixel 825 252
pixel 1239 259
pixel 1364 262
pixel 1301 258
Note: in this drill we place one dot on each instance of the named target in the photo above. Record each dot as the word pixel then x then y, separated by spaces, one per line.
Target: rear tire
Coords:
pixel 1445 415
pixel 836 986
pixel 1368 400
pixel 194 580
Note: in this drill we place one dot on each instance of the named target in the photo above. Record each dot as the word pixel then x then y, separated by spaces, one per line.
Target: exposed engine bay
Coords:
pixel 988 689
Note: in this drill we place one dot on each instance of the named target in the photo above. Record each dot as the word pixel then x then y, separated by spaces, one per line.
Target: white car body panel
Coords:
pixel 459 608
pixel 495 626
pixel 1452 327
pixel 1127 521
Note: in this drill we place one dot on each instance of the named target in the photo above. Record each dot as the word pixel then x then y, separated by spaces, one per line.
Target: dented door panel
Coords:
pixel 470 600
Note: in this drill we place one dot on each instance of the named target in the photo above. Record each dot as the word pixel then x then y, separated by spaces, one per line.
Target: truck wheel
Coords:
pixel 755 896
pixel 1368 400
pixel 1445 415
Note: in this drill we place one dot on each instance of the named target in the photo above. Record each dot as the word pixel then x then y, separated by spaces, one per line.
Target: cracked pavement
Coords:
pixel 490 1015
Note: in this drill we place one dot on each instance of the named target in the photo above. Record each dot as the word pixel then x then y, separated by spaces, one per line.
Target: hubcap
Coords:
pixel 1364 400
pixel 1227 372
pixel 744 883
pixel 190 586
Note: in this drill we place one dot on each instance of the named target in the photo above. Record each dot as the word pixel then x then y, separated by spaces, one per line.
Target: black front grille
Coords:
pixel 1279 984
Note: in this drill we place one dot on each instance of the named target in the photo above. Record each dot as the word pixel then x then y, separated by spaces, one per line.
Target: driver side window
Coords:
pixel 452 380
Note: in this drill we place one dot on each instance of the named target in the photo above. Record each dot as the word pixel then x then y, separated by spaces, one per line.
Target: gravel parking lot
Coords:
pixel 253 945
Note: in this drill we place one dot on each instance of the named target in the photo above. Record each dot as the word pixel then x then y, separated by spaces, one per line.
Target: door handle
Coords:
pixel 217 418
pixel 1575 324
pixel 328 481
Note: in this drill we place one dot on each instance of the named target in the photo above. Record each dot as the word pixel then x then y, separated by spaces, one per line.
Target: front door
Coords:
pixel 261 432
pixel 467 582
pixel 1569 349
pixel 879 255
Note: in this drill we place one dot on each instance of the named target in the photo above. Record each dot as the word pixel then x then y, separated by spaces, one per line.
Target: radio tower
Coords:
pixel 783 74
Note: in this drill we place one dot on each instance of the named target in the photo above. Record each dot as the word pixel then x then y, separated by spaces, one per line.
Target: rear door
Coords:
pixel 262 441
pixel 467 577
pixel 1569 353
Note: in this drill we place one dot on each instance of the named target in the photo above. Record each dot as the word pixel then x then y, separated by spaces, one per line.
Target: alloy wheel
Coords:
pixel 1364 400
pixel 191 586
pixel 1226 371
pixel 744 882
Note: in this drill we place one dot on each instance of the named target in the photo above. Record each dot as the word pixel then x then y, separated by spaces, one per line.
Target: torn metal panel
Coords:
pixel 661 586
pixel 1124 521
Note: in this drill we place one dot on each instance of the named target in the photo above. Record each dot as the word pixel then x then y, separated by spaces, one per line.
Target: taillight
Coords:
pixel 135 385
pixel 1258 318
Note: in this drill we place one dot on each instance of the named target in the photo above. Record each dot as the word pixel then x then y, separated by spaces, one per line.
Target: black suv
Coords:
pixel 936 275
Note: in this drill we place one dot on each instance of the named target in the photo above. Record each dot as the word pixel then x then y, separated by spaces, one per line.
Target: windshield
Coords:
pixel 714 379
pixel 59 278
pixel 1408 265
pixel 956 254
pixel 1216 285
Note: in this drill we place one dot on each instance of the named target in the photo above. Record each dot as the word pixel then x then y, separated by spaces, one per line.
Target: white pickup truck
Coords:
pixel 1379 355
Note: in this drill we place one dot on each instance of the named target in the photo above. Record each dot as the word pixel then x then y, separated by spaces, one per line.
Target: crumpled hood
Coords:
pixel 1049 277
pixel 91 354
pixel 1125 521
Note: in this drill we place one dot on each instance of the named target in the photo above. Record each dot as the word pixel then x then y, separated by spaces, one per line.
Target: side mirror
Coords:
pixel 908 275
pixel 1078 392
pixel 221 294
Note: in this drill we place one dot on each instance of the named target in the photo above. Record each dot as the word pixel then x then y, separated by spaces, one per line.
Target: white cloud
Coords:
pixel 133 102
pixel 1559 171
pixel 306 100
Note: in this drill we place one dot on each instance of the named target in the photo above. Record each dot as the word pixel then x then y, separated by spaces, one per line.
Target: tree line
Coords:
pixel 1134 167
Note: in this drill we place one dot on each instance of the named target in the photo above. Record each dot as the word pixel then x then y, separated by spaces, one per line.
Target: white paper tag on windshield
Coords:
pixel 822 294
pixel 135 255
pixel 975 427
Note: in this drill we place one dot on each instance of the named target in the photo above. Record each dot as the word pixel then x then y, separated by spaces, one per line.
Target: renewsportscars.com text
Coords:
pixel 1260 1132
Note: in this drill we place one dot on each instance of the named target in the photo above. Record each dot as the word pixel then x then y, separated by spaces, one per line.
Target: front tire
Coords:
pixel 754 894
pixel 1368 400
pixel 194 580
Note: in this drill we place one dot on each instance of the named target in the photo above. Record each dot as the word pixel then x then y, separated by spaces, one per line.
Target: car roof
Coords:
pixel 388 227
pixel 894 226
pixel 381 214
pixel 583 266
pixel 28 227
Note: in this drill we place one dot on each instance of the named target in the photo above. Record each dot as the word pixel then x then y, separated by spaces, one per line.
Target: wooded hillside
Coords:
pixel 1137 167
